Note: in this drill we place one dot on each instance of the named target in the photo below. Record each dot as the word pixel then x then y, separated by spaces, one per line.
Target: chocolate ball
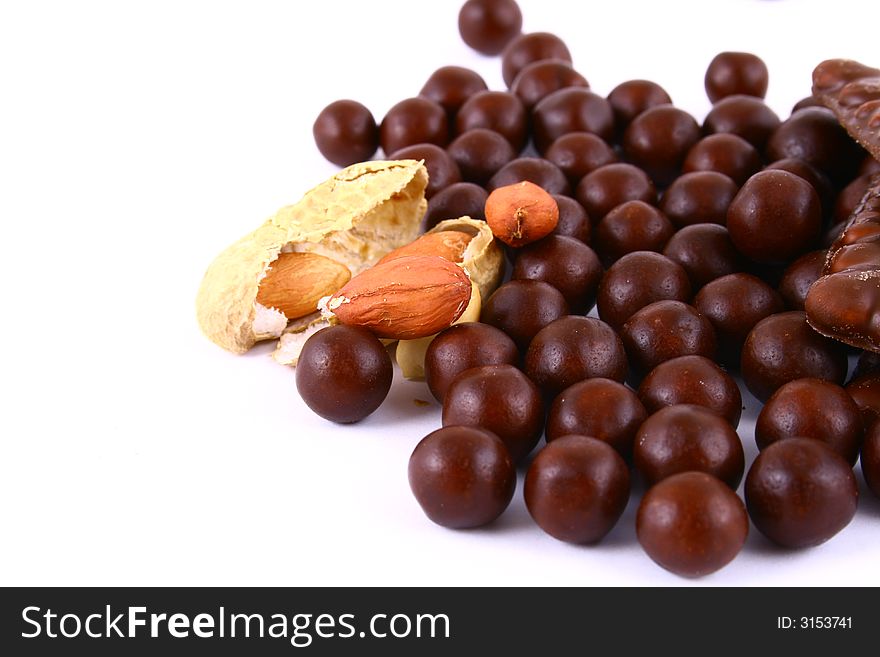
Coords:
pixel 343 373
pixel 573 219
pixel 578 153
pixel 692 380
pixel 820 182
pixel 665 330
pixel 849 198
pixel 745 116
pixel 574 109
pixel 871 458
pixel 488 26
pixel 692 524
pixel 798 278
pixel 868 363
pixel 577 488
pixel 450 86
pixel 600 408
pixel 807 101
pixel 461 347
pixel 735 304
pixel 567 264
pixel 573 349
pixel 775 217
pixel 500 111
pixel 500 399
pixel 544 174
pixel 731 73
pixel 632 226
pixel 442 169
pixel 812 408
pixel 462 477
pixel 869 164
pixel 705 251
pixel 800 492
pixel 603 189
pixel 528 48
pixel 725 153
pixel 540 79
pixel 414 121
pixel 480 153
pixel 458 200
pixel 865 392
pixel 631 98
pixel 346 132
pixel 522 308
pixel 814 135
pixel 688 438
pixel 782 348
pixel 635 281
pixel 700 197
pixel 658 140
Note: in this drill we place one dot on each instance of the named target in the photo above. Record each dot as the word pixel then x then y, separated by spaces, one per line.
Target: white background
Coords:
pixel 138 139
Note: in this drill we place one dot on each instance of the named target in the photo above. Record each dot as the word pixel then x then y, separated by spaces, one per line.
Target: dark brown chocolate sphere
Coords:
pixel 502 400
pixel 540 79
pixel 458 200
pixel 500 111
pixel 578 153
pixel 782 348
pixel 346 132
pixel 631 98
pixel 573 349
pixel 865 391
pixel 577 488
pixel 735 304
pixel 462 477
pixel 725 153
pixel 522 308
pixel 544 174
pixel 480 153
pixel 450 86
pixel 635 281
pixel 775 217
pixel 462 347
pixel 800 492
pixel 574 109
pixel 798 278
pixel 705 251
pixel 442 169
pixel 812 408
pixel 567 264
pixel 603 189
pixel 488 26
pixel 692 380
pixel 573 219
pixel 414 121
pixel 343 373
pixel 870 458
pixel 731 73
pixel 685 438
pixel 658 140
pixel 700 197
pixel 665 330
pixel 632 226
pixel 849 198
pixel 600 408
pixel 692 524
pixel 746 116
pixel 528 48
pixel 807 101
pixel 820 182
pixel 814 135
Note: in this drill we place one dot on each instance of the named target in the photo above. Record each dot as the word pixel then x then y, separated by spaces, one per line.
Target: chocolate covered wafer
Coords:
pixel 852 91
pixel 845 302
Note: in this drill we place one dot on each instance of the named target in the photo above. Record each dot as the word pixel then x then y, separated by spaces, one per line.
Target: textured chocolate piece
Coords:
pixel 852 91
pixel 845 302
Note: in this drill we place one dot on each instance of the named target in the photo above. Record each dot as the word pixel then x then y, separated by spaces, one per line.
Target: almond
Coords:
pixel 449 244
pixel 521 213
pixel 404 298
pixel 296 282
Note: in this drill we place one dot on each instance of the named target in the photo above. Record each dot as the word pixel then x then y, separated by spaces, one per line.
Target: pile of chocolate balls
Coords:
pixel 695 243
